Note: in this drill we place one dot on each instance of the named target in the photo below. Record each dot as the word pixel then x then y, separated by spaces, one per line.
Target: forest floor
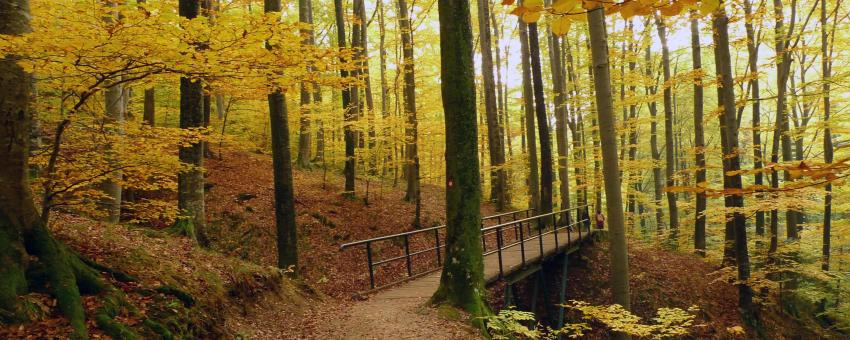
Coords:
pixel 240 294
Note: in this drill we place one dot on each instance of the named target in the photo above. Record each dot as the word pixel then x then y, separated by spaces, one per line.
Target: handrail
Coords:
pixel 517 224
pixel 509 213
pixel 417 231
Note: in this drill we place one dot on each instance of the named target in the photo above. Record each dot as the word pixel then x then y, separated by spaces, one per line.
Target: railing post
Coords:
pixel 407 255
pixel 555 230
pixel 522 245
pixel 437 241
pixel 369 260
pixel 499 243
pixel 540 225
pixel 579 228
pixel 483 240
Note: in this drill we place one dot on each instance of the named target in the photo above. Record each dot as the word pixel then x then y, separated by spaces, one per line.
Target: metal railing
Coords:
pixel 544 224
pixel 493 233
pixel 405 237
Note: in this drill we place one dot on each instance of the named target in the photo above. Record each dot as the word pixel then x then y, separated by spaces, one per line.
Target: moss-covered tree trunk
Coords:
pixel 462 280
pixel 699 138
pixel 25 241
pixel 735 219
pixel 284 200
pixel 190 181
pixel 610 167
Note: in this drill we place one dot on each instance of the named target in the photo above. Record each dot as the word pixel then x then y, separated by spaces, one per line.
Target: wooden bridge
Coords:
pixel 515 245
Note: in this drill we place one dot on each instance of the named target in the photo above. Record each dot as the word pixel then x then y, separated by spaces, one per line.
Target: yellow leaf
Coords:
pixel 564 6
pixel 530 17
pixel 672 9
pixel 519 11
pixel 708 6
pixel 629 9
pixel 561 26
pixel 533 4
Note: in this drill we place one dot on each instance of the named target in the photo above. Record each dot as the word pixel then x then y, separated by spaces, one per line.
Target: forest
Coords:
pixel 424 169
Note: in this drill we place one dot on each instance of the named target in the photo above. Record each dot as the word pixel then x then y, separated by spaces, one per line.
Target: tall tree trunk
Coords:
pixel 528 106
pixel 632 130
pixel 498 176
pixel 367 111
pixel 826 67
pixel 350 112
pixel 653 141
pixel 783 69
pixel 558 86
pixel 607 121
pixel 672 209
pixel 542 121
pixel 752 49
pixel 731 160
pixel 699 138
pixel 115 110
pixel 385 110
pixel 190 182
pixel 305 15
pixel 411 128
pixel 149 115
pixel 284 206
pixel 219 105
pixel 576 129
pixel 462 280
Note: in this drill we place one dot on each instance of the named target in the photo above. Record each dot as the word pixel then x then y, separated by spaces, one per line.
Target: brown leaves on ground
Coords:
pixel 240 212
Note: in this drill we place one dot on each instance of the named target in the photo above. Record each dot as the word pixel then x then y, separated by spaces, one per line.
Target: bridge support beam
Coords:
pixel 564 267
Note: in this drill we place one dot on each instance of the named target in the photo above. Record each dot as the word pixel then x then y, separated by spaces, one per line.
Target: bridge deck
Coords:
pixel 423 287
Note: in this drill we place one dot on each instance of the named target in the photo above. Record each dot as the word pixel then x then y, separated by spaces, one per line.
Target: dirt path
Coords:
pixel 387 318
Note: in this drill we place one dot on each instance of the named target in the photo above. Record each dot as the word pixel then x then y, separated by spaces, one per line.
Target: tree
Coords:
pixel 498 175
pixel 753 52
pixel 783 70
pixel 827 44
pixel 462 279
pixel 305 15
pixel 699 137
pixel 350 112
pixel 409 94
pixel 114 117
pixel 284 200
pixel 25 240
pixel 731 160
pixel 542 121
pixel 653 140
pixel 610 167
pixel 672 210
pixel 528 106
pixel 559 87
pixel 190 181
pixel 149 115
